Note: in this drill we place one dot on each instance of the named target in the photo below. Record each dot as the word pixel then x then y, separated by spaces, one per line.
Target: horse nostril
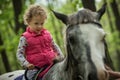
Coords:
pixel 80 77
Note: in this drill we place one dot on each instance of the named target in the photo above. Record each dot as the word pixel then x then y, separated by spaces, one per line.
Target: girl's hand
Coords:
pixel 57 59
pixel 114 74
pixel 30 66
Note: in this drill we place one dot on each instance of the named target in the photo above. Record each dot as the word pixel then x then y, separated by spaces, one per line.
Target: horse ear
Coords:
pixel 62 17
pixel 101 11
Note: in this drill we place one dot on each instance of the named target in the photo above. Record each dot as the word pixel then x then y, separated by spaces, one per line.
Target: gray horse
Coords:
pixel 85 47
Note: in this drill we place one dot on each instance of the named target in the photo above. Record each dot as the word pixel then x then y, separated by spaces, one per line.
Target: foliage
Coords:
pixel 11 39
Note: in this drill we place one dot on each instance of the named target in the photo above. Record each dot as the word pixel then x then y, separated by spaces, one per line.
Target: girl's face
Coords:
pixel 36 23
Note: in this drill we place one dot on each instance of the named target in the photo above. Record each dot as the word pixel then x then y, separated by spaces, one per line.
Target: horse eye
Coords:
pixel 71 39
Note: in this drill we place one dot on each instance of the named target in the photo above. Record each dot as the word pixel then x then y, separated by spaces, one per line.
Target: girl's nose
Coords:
pixel 39 26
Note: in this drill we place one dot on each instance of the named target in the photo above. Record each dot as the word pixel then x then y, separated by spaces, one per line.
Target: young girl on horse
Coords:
pixel 36 46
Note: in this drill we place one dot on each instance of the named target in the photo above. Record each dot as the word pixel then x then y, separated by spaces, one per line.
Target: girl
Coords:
pixel 36 46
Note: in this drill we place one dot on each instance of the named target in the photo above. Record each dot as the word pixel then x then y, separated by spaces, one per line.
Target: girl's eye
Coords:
pixel 36 23
pixel 42 23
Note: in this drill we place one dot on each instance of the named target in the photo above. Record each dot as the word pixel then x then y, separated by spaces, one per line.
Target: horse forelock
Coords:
pixel 82 16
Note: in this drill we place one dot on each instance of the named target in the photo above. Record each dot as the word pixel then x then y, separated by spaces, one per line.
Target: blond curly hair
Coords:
pixel 34 10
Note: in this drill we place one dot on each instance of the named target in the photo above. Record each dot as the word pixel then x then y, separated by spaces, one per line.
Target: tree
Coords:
pixel 4 57
pixel 89 4
pixel 11 26
pixel 17 6
pixel 116 13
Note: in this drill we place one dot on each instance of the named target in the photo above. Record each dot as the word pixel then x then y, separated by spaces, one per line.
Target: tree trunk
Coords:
pixel 115 10
pixel 4 57
pixel 118 61
pixel 17 6
pixel 89 4
pixel 54 25
pixel 110 21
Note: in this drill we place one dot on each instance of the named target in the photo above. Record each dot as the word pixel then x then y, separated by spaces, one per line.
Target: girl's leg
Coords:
pixel 30 74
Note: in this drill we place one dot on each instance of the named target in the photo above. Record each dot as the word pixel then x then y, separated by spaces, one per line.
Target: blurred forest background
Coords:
pixel 12 26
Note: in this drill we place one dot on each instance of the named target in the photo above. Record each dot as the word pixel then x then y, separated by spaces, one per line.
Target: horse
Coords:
pixel 86 50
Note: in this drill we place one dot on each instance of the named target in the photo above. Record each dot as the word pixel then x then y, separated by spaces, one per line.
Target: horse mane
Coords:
pixel 107 59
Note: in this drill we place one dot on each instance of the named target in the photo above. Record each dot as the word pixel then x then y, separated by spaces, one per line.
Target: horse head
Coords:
pixel 85 44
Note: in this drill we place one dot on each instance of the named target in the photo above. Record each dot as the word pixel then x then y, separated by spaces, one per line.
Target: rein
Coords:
pixel 36 75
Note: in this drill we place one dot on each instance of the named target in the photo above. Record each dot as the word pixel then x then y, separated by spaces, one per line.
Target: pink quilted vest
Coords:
pixel 39 49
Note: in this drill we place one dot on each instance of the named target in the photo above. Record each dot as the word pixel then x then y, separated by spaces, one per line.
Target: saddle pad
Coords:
pixel 19 77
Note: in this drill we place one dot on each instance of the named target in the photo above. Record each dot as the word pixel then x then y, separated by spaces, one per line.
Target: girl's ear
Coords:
pixel 62 17
pixel 101 11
